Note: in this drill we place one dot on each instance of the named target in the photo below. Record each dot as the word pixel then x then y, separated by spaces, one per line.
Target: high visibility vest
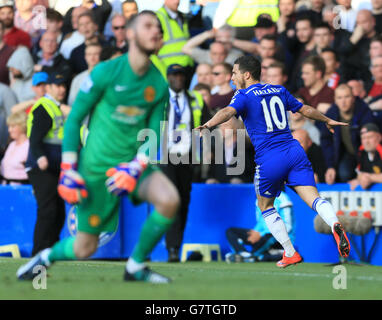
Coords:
pixel 56 132
pixel 174 39
pixel 197 105
pixel 247 11
pixel 159 64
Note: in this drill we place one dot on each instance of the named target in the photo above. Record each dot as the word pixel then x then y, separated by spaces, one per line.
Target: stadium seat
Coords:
pixel 204 249
pixel 12 248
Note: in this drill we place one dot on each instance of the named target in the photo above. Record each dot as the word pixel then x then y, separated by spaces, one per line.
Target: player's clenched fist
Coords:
pixel 123 178
pixel 71 186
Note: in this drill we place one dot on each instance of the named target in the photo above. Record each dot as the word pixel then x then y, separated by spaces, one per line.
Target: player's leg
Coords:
pixel 275 224
pixel 156 189
pixel 301 179
pixel 324 208
pixel 82 246
pixel 269 180
pixel 311 197
pixel 97 213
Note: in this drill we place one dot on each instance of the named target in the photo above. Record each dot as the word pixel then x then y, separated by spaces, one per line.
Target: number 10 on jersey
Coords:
pixel 272 115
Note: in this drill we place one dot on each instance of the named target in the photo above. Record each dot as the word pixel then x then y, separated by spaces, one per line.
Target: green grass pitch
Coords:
pixel 194 281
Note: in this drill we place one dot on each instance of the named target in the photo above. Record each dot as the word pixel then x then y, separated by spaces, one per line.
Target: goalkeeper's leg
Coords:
pixel 158 190
pixel 72 248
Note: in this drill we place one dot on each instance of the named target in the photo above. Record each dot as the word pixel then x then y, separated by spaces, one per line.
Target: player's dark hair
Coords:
pixel 131 23
pixel 249 64
pixel 317 62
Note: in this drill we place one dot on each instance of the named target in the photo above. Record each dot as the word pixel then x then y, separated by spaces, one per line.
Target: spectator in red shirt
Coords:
pixel 13 36
pixel 369 168
pixel 315 92
pixel 332 77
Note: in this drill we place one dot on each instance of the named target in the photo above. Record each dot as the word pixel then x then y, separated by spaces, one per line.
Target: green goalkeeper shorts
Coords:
pixel 99 212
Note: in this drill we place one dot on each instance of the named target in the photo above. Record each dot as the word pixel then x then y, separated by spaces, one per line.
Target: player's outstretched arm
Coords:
pixel 314 114
pixel 220 117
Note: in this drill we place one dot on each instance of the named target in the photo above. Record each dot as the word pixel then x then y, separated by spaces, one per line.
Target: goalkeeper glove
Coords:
pixel 71 186
pixel 123 178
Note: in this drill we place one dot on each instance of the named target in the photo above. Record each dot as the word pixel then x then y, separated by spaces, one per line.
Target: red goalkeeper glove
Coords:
pixel 123 178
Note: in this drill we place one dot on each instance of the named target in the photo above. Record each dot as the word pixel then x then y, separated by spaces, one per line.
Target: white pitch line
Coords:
pixel 301 274
pixel 319 275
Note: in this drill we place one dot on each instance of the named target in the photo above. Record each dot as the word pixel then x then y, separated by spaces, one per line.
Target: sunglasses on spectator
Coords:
pixel 118 27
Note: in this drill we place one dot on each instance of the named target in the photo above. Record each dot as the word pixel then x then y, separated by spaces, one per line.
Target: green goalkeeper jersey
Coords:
pixel 120 104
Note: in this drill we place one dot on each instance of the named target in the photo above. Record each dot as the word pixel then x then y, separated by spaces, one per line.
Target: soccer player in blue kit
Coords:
pixel 279 158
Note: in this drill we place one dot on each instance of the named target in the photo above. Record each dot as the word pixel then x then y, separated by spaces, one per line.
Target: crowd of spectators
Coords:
pixel 328 53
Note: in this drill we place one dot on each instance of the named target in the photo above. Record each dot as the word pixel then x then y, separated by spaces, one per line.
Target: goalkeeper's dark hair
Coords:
pixel 249 64
pixel 132 22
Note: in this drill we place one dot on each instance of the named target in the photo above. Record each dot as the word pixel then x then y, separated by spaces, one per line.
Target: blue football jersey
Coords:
pixel 263 108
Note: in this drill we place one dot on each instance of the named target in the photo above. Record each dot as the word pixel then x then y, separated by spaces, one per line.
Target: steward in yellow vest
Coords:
pixel 45 130
pixel 174 38
pixel 175 35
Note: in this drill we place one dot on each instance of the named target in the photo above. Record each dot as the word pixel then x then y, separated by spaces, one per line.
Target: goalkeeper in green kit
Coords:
pixel 122 97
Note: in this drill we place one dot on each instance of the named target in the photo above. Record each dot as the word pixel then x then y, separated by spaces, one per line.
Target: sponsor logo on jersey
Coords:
pixel 128 114
pixel 130 111
pixel 149 94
